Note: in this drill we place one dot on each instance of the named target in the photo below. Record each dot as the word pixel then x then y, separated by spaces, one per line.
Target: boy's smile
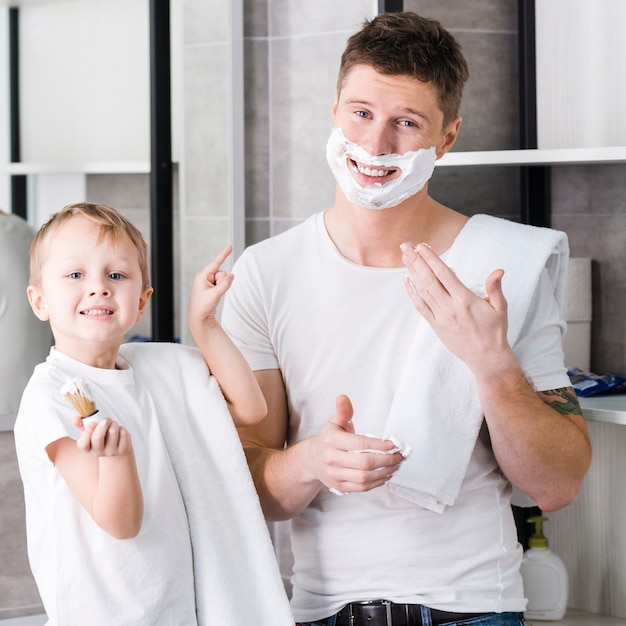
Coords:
pixel 90 291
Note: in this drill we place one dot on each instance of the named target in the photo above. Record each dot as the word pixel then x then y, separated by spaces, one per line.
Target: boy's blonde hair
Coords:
pixel 111 223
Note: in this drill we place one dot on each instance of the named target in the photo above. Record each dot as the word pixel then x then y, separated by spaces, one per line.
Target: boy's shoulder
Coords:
pixel 171 372
pixel 161 359
pixel 140 350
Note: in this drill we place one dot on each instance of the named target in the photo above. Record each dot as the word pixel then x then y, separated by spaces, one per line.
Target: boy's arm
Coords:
pixel 237 381
pixel 101 472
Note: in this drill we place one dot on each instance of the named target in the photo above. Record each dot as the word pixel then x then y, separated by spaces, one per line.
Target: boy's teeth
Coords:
pixel 98 312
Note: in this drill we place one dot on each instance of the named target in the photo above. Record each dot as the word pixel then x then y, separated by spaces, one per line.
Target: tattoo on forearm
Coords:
pixel 563 400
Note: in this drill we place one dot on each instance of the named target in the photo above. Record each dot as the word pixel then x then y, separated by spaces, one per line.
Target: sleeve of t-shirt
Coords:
pixel 43 416
pixel 245 314
pixel 539 348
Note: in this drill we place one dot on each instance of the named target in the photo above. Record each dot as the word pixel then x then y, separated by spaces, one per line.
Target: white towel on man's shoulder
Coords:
pixel 236 575
pixel 436 408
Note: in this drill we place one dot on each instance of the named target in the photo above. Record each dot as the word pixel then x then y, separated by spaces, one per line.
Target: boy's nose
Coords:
pixel 99 288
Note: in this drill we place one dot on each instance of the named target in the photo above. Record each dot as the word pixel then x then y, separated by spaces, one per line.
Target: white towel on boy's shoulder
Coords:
pixel 236 575
pixel 435 408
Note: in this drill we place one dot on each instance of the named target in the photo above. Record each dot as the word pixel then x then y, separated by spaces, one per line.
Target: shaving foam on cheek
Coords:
pixel 416 167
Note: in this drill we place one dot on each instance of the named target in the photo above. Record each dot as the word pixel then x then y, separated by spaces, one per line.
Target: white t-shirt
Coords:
pixel 332 327
pixel 84 575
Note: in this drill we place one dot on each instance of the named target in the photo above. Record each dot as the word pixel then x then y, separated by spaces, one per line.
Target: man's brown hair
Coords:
pixel 407 44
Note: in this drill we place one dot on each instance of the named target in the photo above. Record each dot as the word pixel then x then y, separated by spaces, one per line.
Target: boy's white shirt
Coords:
pixel 200 504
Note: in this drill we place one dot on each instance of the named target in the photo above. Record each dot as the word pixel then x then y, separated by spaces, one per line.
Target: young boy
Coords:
pixel 133 517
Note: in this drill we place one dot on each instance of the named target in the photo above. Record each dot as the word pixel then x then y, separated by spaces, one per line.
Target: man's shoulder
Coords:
pixel 295 235
pixel 490 226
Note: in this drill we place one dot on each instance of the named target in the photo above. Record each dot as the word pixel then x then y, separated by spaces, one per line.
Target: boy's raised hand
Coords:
pixel 208 287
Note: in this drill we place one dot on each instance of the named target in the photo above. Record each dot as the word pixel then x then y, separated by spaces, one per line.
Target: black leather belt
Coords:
pixel 385 613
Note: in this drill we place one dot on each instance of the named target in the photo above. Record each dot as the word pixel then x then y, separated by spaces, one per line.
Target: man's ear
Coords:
pixel 143 301
pixel 37 302
pixel 333 108
pixel 449 137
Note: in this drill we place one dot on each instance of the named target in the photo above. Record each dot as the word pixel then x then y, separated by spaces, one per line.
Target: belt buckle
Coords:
pixel 386 603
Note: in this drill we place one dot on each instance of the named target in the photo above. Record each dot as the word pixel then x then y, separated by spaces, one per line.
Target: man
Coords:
pixel 456 360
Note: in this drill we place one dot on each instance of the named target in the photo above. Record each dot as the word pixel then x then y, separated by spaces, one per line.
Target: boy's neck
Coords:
pixel 101 357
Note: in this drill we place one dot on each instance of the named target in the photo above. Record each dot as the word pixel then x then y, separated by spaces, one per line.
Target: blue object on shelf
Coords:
pixel 587 384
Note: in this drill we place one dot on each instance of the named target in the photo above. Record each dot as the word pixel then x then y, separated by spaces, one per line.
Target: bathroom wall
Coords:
pixel 589 204
pixel 204 217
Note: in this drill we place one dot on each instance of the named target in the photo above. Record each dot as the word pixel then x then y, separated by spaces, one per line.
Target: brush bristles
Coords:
pixel 83 405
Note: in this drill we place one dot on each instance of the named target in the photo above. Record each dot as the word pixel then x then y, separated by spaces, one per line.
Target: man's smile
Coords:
pixel 371 171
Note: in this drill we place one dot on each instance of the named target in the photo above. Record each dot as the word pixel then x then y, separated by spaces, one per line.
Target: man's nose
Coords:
pixel 379 140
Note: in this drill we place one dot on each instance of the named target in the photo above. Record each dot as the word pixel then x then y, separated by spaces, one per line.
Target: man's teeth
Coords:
pixel 370 172
pixel 98 312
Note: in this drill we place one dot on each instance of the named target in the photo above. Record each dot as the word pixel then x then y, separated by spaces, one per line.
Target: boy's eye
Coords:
pixel 75 275
pixel 115 276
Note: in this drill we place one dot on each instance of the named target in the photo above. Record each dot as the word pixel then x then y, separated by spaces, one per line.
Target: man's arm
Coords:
pixel 540 439
pixel 288 478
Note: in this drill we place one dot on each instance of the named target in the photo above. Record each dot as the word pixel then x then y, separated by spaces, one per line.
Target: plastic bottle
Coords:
pixel 546 584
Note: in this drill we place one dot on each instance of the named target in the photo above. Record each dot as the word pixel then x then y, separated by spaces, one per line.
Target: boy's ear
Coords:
pixel 143 301
pixel 37 302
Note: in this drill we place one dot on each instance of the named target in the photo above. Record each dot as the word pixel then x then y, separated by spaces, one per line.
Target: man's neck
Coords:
pixel 372 237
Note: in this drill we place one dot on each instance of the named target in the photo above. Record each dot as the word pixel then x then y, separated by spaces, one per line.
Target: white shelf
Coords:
pixel 575 617
pixel 95 167
pixel 609 409
pixel 565 156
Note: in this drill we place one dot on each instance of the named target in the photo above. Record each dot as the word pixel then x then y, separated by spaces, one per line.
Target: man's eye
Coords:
pixel 116 276
pixel 75 275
